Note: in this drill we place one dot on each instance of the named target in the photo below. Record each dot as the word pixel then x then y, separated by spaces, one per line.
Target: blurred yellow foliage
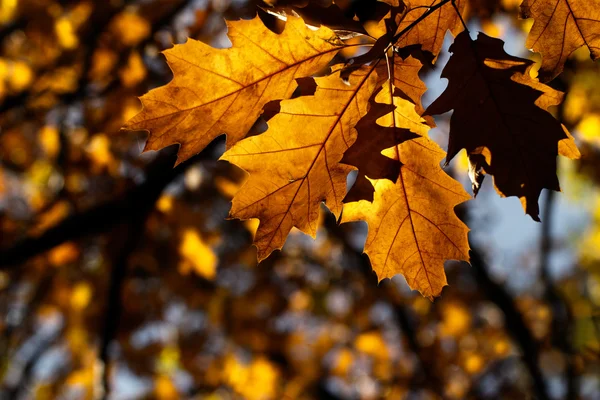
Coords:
pixel 65 253
pixel 511 4
pixel 130 28
pixel 103 62
pixel 134 72
pixel 197 255
pixel 589 129
pixel 456 320
pixel 2 184
pixel 257 381
pixel 66 33
pixel 492 29
pixel 67 25
pixel 575 104
pixel 81 296
pixel 474 363
pixel 50 218
pixel 168 360
pixel 372 343
pixel 99 152
pixel 49 140
pixel 7 10
pixel 227 187
pixel 164 388
pixel 343 362
pixel 20 76
pixel 300 301
pixel 165 203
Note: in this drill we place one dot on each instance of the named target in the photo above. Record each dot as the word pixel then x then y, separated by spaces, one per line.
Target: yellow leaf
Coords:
pixel 64 254
pixel 226 89
pixel 560 27
pixel 134 72
pixel 372 343
pixel 7 10
pixel 456 320
pixel 81 296
pixel 164 389
pixel 589 129
pixel 412 225
pixel 99 152
pixel 50 140
pixel 65 31
pixel 430 32
pixel 294 165
pixel 198 254
pixel 20 76
pixel 130 28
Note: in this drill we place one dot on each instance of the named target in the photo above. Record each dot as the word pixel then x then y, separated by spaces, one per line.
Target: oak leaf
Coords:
pixel 389 122
pixel 500 113
pixel 412 225
pixel 405 78
pixel 560 27
pixel 216 91
pixel 295 164
pixel 430 32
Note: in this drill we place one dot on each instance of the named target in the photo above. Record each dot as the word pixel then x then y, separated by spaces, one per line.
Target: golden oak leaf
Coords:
pixel 560 27
pixel 412 225
pixel 405 78
pixel 216 91
pixel 500 112
pixel 294 165
pixel 384 126
pixel 430 32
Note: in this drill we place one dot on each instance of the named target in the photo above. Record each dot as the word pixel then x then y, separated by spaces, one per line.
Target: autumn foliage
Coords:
pixel 353 136
pixel 366 114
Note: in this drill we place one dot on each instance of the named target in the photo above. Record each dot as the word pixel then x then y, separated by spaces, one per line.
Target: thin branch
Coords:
pixel 105 216
pixel 130 238
pixel 459 15
pixel 562 317
pixel 515 325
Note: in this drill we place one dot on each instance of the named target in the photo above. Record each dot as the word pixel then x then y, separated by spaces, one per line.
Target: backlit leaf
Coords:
pixel 560 27
pixel 216 91
pixel 501 113
pixel 294 165
pixel 412 225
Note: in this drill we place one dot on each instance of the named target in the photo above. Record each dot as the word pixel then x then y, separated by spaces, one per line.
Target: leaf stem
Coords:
pixel 460 16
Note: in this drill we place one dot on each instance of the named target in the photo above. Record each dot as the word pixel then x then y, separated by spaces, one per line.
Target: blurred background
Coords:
pixel 121 278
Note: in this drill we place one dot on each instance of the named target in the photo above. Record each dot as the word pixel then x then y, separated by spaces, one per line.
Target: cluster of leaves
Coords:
pixel 96 256
pixel 366 114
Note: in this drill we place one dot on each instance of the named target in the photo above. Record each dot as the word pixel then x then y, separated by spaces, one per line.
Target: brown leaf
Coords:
pixel 412 225
pixel 560 27
pixel 216 91
pixel 294 165
pixel 385 126
pixel 501 113
pixel 430 32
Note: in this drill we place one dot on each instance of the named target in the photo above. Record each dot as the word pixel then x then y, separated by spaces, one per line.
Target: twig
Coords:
pixel 112 316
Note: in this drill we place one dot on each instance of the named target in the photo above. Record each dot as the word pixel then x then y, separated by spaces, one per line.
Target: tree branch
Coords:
pixel 105 216
pixel 513 321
